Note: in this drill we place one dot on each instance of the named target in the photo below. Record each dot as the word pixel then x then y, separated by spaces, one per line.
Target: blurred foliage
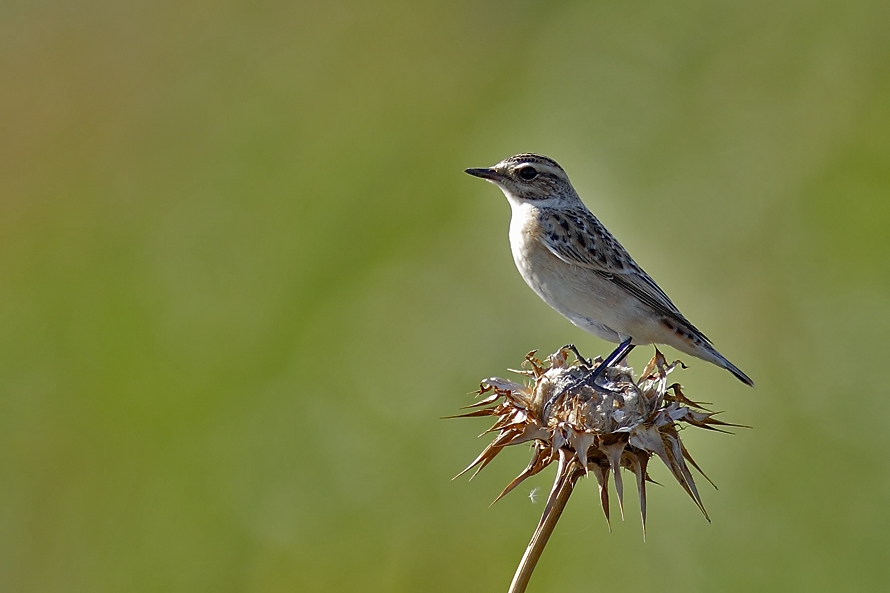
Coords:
pixel 243 276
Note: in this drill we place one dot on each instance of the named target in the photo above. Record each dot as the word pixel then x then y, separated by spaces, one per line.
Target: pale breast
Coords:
pixel 581 298
pixel 530 260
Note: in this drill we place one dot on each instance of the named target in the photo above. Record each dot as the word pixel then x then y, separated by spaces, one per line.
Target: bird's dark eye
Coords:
pixel 528 173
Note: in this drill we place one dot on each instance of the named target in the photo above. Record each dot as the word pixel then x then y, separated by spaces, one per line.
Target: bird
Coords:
pixel 566 255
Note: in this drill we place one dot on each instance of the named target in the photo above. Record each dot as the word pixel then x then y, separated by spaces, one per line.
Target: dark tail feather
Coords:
pixel 738 373
pixel 706 351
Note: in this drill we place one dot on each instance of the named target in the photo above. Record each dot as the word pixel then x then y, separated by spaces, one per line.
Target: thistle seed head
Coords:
pixel 622 422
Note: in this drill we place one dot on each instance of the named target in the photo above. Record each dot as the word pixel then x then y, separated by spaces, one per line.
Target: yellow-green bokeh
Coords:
pixel 242 276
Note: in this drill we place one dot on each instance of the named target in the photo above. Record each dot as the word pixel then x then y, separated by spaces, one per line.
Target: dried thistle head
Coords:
pixel 619 423
pixel 622 422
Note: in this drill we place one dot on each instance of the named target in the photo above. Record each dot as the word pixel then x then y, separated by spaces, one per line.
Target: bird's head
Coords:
pixel 528 178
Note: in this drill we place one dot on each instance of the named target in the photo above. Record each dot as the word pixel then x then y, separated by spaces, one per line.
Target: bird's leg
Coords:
pixel 620 352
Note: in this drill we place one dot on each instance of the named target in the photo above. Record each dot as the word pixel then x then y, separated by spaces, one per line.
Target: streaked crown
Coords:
pixel 529 176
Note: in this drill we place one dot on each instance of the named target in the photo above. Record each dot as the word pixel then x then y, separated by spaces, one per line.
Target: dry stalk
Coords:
pixel 620 423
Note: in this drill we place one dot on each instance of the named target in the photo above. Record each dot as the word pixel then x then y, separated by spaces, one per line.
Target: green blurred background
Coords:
pixel 242 276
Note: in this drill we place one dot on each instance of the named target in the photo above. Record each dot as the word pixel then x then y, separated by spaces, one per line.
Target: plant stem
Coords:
pixel 545 529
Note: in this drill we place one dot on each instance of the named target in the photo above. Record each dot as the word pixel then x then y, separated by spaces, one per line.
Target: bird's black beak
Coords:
pixel 489 174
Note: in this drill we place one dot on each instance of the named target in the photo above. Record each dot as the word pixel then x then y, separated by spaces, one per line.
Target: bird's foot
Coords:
pixel 590 378
pixel 587 363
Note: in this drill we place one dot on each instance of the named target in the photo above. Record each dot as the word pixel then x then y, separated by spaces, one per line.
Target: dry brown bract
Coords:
pixel 621 423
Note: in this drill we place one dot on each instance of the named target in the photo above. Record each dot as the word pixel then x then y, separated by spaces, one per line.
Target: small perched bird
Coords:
pixel 572 262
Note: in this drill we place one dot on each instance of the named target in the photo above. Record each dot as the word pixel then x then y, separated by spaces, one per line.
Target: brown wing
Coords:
pixel 578 238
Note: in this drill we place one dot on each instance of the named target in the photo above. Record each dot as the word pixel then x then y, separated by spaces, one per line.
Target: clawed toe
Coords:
pixel 587 363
